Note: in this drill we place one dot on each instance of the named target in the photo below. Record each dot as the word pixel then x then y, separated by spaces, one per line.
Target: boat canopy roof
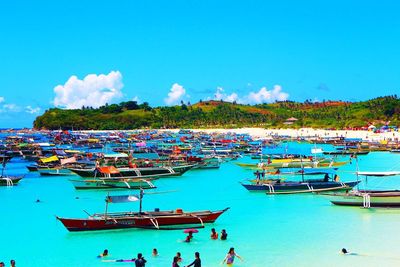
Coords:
pixel 122 199
pixel 116 155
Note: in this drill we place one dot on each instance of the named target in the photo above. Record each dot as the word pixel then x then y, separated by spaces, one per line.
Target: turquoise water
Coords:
pixel 286 230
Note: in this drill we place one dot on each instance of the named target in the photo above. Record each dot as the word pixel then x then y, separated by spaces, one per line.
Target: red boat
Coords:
pixel 167 220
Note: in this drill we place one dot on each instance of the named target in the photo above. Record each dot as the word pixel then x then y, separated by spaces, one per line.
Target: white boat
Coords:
pixel 366 198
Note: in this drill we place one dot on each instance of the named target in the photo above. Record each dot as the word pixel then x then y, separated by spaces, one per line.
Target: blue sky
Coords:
pixel 312 49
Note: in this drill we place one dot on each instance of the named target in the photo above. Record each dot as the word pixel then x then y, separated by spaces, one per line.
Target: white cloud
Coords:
pixel 2 99
pixel 219 94
pixel 7 108
pixel 31 110
pixel 94 90
pixel 11 107
pixel 262 96
pixel 136 98
pixel 267 96
pixel 176 93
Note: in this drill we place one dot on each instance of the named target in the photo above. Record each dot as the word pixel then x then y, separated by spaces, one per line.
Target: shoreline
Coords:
pixel 304 132
pixel 259 133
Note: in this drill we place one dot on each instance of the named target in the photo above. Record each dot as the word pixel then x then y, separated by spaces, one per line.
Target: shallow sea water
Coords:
pixel 285 230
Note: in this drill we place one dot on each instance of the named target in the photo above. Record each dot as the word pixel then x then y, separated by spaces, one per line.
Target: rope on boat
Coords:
pixel 310 188
pixel 201 221
pixel 170 169
pixel 137 172
pixel 366 201
pixel 125 182
pixel 271 188
pixel 155 223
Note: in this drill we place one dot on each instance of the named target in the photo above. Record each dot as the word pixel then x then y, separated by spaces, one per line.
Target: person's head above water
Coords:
pixel 344 251
pixel 197 255
pixel 139 255
pixel 105 252
pixel 231 250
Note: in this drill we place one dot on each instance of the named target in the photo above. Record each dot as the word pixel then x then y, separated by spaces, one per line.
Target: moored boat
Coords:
pixel 135 172
pixel 113 183
pixel 9 181
pixel 366 198
pixel 171 219
pixel 293 187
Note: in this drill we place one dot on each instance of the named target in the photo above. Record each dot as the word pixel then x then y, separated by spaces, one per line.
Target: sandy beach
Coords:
pixel 305 132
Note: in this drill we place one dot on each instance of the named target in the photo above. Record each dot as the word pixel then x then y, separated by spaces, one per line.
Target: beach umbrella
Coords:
pixel 186 231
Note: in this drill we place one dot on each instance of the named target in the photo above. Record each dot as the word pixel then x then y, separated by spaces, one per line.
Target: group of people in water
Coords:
pixel 214 235
pixel 140 261
pixel 12 263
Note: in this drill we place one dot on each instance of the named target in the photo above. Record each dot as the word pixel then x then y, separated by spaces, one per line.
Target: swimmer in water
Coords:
pixel 189 237
pixel 224 234
pixel 104 254
pixel 345 252
pixel 155 252
pixel 214 234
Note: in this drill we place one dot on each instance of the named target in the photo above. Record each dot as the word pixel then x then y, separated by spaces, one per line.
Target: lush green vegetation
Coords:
pixel 131 115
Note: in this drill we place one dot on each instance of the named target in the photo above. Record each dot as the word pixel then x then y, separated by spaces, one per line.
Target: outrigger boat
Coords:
pixel 277 186
pixel 6 180
pixel 305 163
pixel 136 172
pixel 106 181
pixel 113 183
pixel 9 181
pixel 366 198
pixel 166 220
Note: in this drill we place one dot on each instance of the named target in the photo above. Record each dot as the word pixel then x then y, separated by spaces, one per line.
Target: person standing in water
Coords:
pixel 224 234
pixel 214 234
pixel 175 262
pixel 189 237
pixel 155 252
pixel 196 262
pixel 140 261
pixel 230 257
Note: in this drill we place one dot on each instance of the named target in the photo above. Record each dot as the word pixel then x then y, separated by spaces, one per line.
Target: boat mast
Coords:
pixel 141 193
pixel 302 168
pixel 357 171
pixel 107 200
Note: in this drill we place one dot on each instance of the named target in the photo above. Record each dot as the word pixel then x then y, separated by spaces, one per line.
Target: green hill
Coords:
pixel 131 115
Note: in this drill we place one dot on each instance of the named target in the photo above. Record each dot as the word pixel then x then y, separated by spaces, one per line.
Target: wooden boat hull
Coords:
pixel 112 184
pixel 151 220
pixel 135 172
pixel 300 187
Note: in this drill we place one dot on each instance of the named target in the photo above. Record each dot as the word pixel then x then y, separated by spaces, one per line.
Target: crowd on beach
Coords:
pixel 140 261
